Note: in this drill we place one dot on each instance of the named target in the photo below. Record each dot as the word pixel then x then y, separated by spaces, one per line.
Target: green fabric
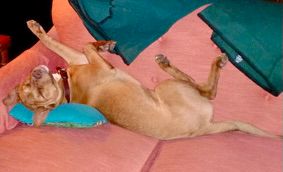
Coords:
pixel 133 24
pixel 250 33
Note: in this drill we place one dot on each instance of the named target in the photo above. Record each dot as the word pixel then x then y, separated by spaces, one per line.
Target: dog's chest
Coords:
pixel 93 87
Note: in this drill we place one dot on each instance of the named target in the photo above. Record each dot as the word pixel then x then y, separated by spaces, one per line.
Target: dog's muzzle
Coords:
pixel 38 71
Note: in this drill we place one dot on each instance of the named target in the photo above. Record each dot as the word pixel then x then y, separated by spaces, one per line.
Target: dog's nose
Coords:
pixel 37 73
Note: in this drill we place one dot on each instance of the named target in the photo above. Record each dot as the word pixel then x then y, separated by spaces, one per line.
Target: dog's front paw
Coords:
pixel 221 61
pixel 36 28
pixel 162 60
pixel 104 46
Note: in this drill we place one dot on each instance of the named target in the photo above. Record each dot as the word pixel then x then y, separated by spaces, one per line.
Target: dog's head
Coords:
pixel 40 92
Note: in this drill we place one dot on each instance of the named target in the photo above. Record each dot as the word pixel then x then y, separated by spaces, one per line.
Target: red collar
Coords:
pixel 64 76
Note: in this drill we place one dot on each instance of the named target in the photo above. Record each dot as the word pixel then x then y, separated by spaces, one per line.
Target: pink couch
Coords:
pixel 110 148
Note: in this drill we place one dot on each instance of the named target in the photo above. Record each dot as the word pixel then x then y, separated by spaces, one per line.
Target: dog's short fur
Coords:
pixel 176 108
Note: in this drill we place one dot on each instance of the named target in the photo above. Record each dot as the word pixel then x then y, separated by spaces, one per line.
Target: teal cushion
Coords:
pixel 65 115
pixel 133 24
pixel 250 33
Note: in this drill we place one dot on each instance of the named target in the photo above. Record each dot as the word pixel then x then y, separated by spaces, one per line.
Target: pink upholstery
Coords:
pixel 110 148
pixel 105 148
pixel 231 152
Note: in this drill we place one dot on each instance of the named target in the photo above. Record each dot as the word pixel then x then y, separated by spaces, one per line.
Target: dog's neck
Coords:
pixel 62 75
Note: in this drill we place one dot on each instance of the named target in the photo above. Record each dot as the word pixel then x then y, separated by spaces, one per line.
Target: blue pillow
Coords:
pixel 65 115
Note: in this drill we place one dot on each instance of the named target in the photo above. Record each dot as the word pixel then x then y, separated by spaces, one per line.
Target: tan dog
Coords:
pixel 176 108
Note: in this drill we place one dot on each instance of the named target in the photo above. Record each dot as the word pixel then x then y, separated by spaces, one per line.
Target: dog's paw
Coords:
pixel 36 28
pixel 104 46
pixel 162 60
pixel 221 61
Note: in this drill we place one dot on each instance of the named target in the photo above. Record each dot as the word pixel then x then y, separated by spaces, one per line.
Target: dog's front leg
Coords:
pixel 70 55
pixel 40 116
pixel 91 50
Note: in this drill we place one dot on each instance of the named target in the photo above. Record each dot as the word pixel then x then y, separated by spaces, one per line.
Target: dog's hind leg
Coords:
pixel 207 89
pixel 220 127
pixel 165 65
pixel 226 126
pixel 70 55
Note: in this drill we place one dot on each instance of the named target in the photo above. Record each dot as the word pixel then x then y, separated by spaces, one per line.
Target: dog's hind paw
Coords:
pixel 162 60
pixel 104 46
pixel 222 61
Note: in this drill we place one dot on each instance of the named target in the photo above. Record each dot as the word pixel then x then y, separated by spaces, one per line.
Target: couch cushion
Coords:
pixel 261 61
pixel 72 115
pixel 104 148
pixel 231 152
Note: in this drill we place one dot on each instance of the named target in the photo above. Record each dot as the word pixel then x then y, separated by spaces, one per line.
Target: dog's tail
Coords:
pixel 219 127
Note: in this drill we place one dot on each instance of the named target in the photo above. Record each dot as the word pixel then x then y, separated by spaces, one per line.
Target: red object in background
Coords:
pixel 5 42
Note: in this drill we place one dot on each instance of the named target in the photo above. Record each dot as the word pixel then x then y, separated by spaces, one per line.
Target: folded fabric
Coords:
pixel 65 115
pixel 250 33
pixel 134 25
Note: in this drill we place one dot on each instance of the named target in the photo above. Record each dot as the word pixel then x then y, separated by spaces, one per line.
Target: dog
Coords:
pixel 176 108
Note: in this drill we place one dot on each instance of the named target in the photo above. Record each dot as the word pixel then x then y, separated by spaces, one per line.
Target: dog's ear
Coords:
pixel 12 98
pixel 39 116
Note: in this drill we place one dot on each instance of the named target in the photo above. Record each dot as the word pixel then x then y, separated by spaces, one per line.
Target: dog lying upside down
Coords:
pixel 176 108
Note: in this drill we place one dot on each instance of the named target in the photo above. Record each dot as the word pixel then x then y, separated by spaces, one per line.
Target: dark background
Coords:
pixel 13 17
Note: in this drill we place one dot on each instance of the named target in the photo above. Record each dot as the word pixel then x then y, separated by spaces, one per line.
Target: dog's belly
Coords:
pixel 117 95
pixel 172 109
pixel 190 111
pixel 128 105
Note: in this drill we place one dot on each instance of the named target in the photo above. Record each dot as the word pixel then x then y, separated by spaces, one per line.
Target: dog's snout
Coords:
pixel 37 73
